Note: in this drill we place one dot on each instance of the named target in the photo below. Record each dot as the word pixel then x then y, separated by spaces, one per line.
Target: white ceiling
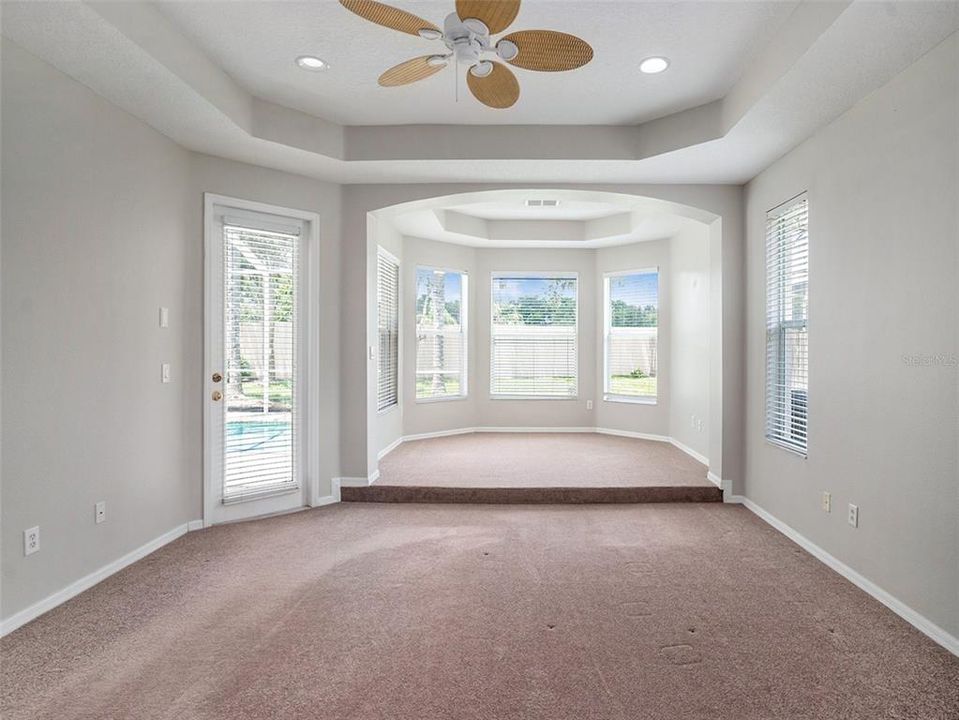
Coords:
pixel 811 67
pixel 709 44
pixel 499 219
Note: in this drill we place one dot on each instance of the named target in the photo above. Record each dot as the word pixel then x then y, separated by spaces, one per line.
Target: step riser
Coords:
pixel 529 496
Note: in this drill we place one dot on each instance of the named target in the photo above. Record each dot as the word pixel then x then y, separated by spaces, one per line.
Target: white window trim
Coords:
pixel 800 452
pixel 496 274
pixel 607 395
pixel 380 250
pixel 464 323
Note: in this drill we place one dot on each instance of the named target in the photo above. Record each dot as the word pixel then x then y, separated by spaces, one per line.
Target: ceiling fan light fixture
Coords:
pixel 313 63
pixel 438 60
pixel 430 33
pixel 507 49
pixel 653 65
pixel 477 27
pixel 482 69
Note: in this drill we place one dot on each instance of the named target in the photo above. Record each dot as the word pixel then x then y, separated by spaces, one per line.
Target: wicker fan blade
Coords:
pixel 499 89
pixel 409 72
pixel 496 14
pixel 388 16
pixel 549 51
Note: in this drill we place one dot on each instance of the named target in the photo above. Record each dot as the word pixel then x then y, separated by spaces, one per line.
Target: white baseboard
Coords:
pixel 389 448
pixel 689 451
pixel 726 486
pixel 631 434
pixel 16 620
pixel 918 621
pixel 352 481
pixel 495 429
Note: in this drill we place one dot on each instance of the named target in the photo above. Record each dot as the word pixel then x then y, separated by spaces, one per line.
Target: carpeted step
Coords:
pixel 531 495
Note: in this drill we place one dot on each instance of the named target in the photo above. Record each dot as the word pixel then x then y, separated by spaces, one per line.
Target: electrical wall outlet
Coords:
pixel 165 373
pixel 100 511
pixel 854 515
pixel 826 501
pixel 589 404
pixel 31 540
pixel 164 317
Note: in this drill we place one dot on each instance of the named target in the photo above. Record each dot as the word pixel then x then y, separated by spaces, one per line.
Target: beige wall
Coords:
pixel 883 184
pixel 96 237
pixel 104 225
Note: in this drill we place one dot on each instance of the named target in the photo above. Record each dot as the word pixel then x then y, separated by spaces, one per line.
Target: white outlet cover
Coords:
pixel 165 372
pixel 164 317
pixel 827 502
pixel 100 511
pixel 31 540
pixel 853 515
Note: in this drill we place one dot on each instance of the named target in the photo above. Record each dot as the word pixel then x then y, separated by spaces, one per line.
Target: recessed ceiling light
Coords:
pixel 310 62
pixel 653 65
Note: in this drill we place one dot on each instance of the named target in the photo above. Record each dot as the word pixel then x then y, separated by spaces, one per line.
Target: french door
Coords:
pixel 259 341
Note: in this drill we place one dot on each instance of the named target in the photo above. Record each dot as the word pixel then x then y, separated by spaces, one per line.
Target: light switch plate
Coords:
pixel 854 515
pixel 165 372
pixel 164 317
pixel 100 511
pixel 826 501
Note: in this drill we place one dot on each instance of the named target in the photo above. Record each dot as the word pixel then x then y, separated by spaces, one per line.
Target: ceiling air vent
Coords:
pixel 542 203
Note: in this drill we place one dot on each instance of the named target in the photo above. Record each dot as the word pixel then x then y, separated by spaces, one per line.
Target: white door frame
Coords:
pixel 308 385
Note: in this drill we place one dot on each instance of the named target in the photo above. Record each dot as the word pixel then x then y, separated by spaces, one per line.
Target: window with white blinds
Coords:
pixel 260 345
pixel 787 324
pixel 388 329
pixel 631 335
pixel 441 312
pixel 533 335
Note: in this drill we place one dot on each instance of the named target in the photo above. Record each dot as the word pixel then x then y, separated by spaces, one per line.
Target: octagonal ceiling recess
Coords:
pixel 581 219
pixel 747 82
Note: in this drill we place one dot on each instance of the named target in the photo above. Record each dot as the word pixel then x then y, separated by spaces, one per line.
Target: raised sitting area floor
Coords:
pixel 537 468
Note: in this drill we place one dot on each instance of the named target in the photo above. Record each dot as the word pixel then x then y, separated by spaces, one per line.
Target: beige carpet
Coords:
pixel 540 460
pixel 417 612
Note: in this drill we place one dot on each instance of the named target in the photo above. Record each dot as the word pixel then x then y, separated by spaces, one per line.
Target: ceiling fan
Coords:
pixel 467 35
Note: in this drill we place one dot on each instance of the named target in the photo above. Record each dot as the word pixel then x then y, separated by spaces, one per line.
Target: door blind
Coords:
pixel 787 324
pixel 441 313
pixel 533 335
pixel 388 323
pixel 632 334
pixel 260 328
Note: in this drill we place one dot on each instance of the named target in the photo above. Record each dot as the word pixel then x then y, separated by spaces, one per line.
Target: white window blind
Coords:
pixel 441 312
pixel 632 335
pixel 388 328
pixel 533 335
pixel 787 324
pixel 260 345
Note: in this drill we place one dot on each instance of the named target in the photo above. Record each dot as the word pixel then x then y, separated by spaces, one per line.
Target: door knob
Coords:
pixel 217 395
pixel 217 377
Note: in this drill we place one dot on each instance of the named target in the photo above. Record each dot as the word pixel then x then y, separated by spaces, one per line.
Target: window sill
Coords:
pixel 631 400
pixel 792 449
pixel 447 398
pixel 533 397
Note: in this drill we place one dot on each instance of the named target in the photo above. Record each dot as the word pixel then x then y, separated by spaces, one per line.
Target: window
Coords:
pixel 631 335
pixel 441 312
pixel 787 324
pixel 388 326
pixel 533 335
